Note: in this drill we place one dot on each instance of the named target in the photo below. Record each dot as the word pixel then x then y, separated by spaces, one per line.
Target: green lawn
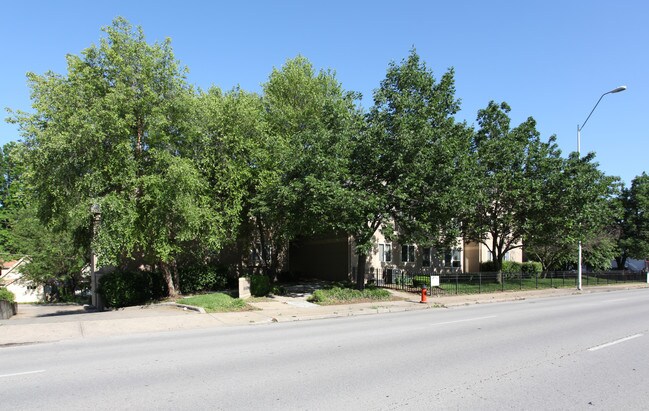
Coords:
pixel 216 302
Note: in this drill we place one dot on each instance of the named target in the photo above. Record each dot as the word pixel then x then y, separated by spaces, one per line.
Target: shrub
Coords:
pixel 488 267
pixel 126 288
pixel 259 285
pixel 7 295
pixel 402 280
pixel 511 267
pixel 508 267
pixel 202 278
pixel 421 280
pixel 532 267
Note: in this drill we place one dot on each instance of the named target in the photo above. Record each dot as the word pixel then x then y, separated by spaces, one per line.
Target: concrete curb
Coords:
pixel 191 307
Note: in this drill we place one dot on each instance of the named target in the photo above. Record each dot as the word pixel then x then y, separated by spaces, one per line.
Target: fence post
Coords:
pixel 457 285
pixel 520 276
pixel 480 283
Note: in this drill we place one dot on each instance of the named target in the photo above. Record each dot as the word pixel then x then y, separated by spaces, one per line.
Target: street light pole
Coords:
pixel 615 90
pixel 96 300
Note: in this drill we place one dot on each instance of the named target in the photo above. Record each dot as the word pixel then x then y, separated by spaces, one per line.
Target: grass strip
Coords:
pixel 217 303
pixel 340 295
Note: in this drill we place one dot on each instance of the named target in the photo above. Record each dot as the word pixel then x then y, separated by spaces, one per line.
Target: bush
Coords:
pixel 532 267
pixel 420 281
pixel 511 267
pixel 126 288
pixel 488 267
pixel 202 278
pixel 7 295
pixel 259 285
pixel 403 280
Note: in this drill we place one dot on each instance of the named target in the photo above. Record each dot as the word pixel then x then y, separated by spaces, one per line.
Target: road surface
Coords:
pixel 580 352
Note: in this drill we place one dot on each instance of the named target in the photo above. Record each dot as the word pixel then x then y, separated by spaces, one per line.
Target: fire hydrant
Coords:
pixel 424 291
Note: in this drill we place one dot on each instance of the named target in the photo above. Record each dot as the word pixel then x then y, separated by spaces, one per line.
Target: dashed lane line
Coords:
pixel 621 340
pixel 21 373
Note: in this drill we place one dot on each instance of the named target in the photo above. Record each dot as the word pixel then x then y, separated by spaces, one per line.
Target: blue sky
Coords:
pixel 548 59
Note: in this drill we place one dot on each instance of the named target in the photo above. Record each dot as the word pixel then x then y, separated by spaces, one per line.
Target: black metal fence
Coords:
pixel 474 283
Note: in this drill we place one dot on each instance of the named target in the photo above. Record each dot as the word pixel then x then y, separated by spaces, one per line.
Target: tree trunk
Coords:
pixel 176 276
pixel 360 271
pixel 166 271
pixel 621 261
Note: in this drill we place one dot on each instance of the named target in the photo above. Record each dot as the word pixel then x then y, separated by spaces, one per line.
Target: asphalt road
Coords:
pixel 578 352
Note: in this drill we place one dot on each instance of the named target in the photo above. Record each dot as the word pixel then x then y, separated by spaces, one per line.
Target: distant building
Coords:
pixel 334 258
pixel 12 279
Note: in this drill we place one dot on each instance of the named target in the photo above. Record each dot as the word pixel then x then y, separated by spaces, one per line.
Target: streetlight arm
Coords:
pixel 615 90
pixel 591 112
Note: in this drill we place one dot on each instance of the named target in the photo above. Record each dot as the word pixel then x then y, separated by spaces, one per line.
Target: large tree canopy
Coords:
pixel 408 165
pixel 573 202
pixel 180 173
pixel 633 228
pixel 310 122
pixel 509 170
pixel 112 132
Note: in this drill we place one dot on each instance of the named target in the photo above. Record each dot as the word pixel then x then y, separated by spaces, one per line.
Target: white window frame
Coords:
pixel 455 259
pixel 385 252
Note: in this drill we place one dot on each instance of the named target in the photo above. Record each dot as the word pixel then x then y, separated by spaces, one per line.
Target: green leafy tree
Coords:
pixel 511 168
pixel 575 203
pixel 499 151
pixel 115 131
pixel 633 241
pixel 300 175
pixel 408 166
pixel 54 257
pixel 12 195
pixel 236 157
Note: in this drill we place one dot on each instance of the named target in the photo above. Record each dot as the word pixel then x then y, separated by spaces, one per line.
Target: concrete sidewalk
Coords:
pixel 54 323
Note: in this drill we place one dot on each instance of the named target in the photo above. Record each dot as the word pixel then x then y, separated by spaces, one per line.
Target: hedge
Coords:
pixel 127 288
pixel 7 295
pixel 259 285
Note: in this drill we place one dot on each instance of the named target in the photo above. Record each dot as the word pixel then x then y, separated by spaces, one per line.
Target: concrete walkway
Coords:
pixel 43 323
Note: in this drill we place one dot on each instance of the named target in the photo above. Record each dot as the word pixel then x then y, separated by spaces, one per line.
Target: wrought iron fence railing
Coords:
pixel 456 282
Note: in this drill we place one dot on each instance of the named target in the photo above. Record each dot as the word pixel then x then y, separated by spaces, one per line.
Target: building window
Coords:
pixel 426 257
pixel 385 253
pixel 452 258
pixel 506 257
pixel 407 253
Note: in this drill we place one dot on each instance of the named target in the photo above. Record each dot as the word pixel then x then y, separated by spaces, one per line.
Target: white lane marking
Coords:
pixel 468 319
pixel 21 373
pixel 599 347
